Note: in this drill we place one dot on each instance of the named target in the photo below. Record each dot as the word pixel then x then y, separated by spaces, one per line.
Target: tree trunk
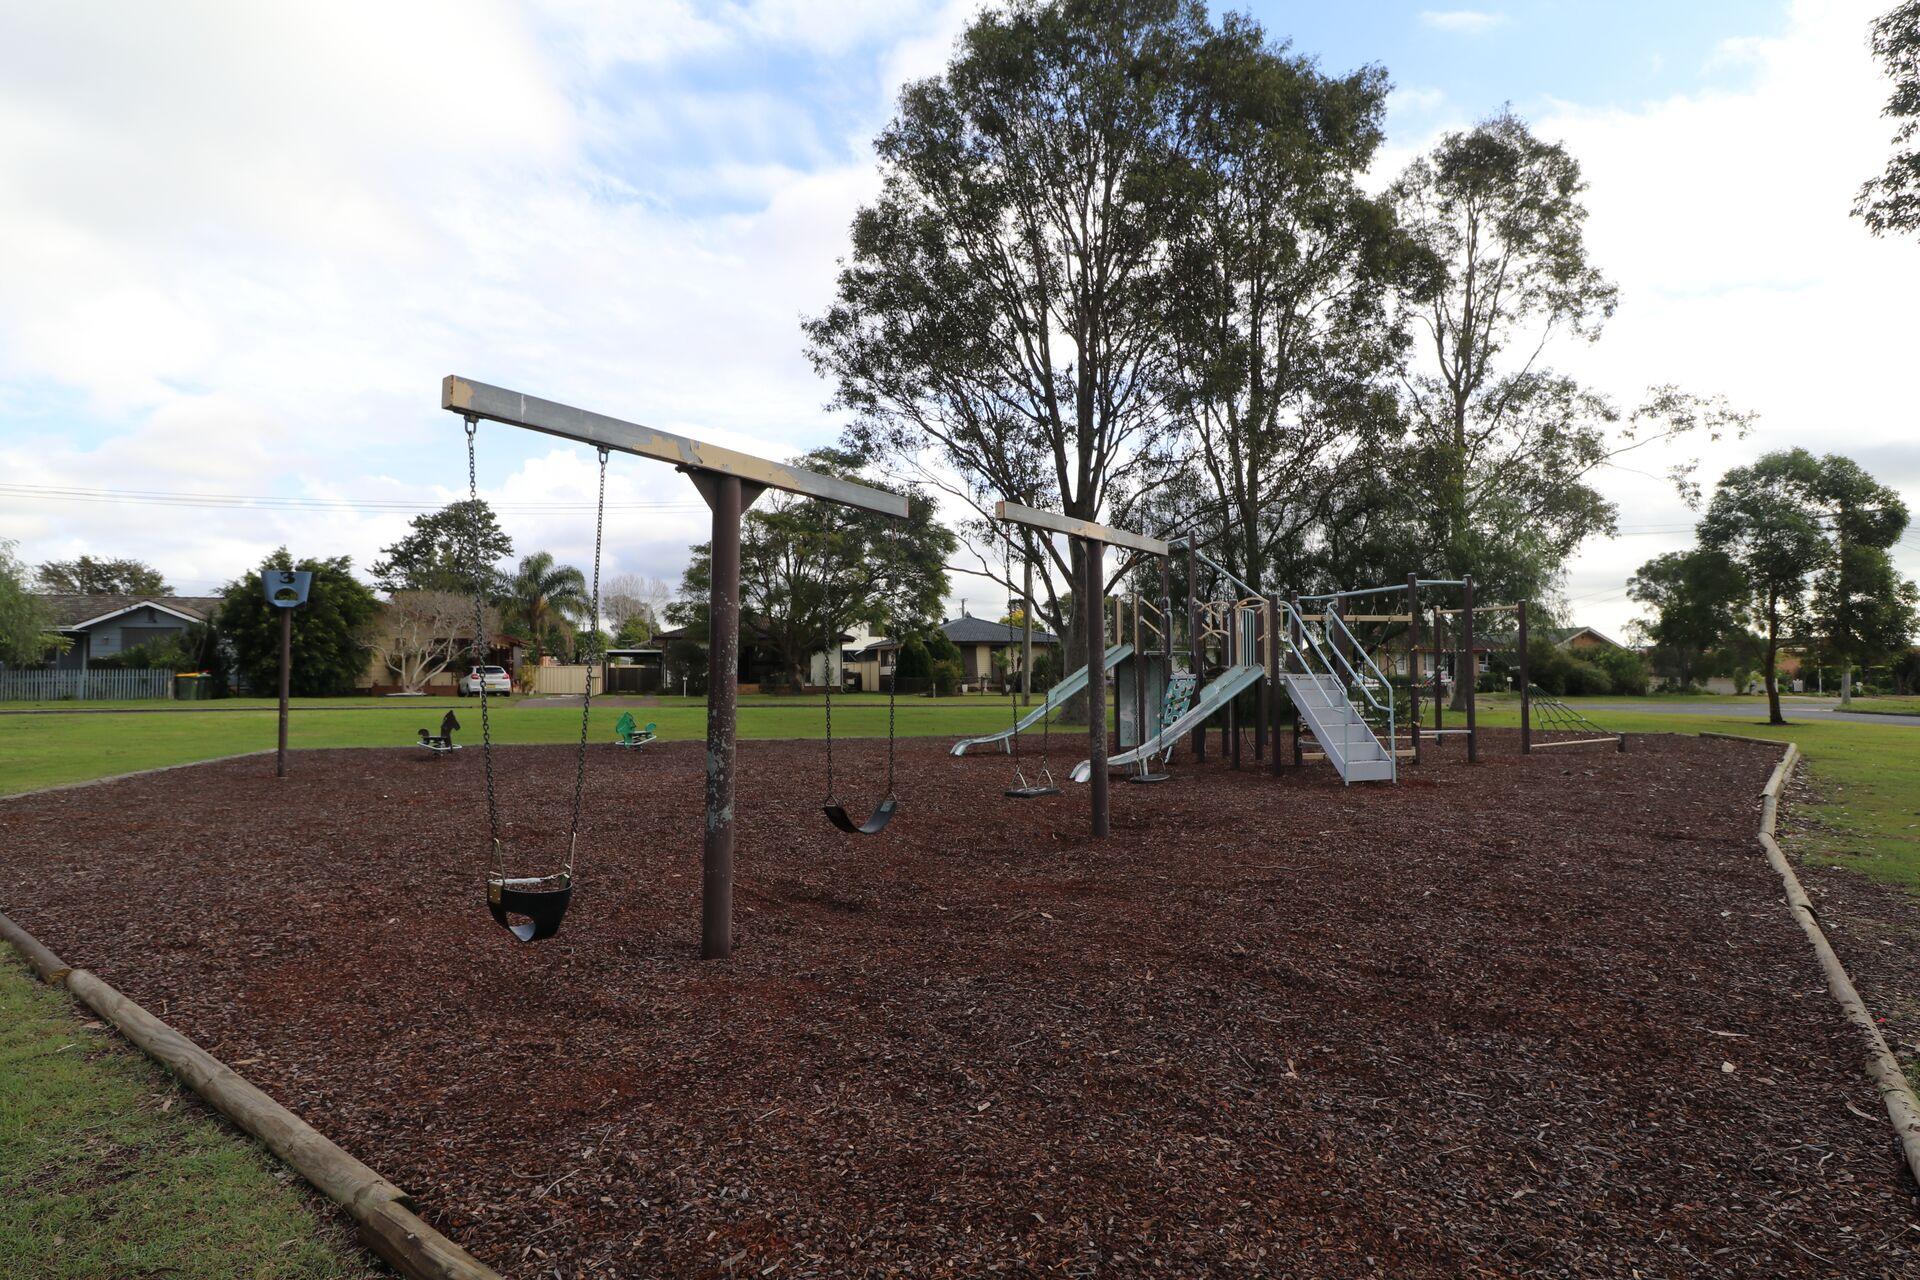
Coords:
pixel 1846 686
pixel 1773 671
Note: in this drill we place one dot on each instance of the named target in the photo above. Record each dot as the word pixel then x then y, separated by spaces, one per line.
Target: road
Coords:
pixel 1754 708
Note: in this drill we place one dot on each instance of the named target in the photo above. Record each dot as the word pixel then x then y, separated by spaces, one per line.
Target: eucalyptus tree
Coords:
pixel 1280 314
pixel 998 325
pixel 1862 610
pixel 1765 519
pixel 1698 597
pixel 1505 448
pixel 809 569
pixel 1891 202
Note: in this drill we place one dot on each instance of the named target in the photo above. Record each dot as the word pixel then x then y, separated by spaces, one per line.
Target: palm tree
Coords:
pixel 541 599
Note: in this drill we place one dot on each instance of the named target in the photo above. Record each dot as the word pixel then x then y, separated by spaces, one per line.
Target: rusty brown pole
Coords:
pixel 1526 697
pixel 1439 690
pixel 1413 661
pixel 729 497
pixel 286 684
pixel 1473 671
pixel 1094 586
pixel 1273 675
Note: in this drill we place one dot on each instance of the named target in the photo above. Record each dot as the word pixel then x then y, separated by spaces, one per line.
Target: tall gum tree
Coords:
pixel 1765 519
pixel 1504 448
pixel 997 329
pixel 1280 308
pixel 1890 203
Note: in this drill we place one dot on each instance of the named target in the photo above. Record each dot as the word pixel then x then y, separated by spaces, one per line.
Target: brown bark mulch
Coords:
pixel 1535 1017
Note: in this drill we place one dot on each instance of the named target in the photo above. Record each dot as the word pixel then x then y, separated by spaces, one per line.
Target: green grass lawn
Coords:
pixel 1886 706
pixel 109 1168
pixel 42 750
pixel 1867 778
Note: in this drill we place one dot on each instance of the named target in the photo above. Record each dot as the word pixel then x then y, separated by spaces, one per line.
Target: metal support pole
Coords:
pixel 1273 675
pixel 1439 690
pixel 286 684
pixel 1526 696
pixel 1198 643
pixel 1260 690
pixel 728 497
pixel 1093 587
pixel 1473 672
pixel 1139 679
pixel 1026 627
pixel 1234 658
pixel 1413 661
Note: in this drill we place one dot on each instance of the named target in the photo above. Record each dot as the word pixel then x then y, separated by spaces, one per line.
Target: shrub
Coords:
pixel 1626 672
pixel 914 660
pixel 1555 671
pixel 947 674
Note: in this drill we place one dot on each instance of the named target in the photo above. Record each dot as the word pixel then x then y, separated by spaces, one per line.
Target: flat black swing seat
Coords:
pixel 543 908
pixel 1151 777
pixel 876 823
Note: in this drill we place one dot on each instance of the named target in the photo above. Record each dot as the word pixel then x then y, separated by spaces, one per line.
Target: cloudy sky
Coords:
pixel 242 243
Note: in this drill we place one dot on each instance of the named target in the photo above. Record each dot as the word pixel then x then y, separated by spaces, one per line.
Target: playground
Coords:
pixel 1541 1013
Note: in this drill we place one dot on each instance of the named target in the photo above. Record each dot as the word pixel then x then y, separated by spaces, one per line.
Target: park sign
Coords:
pixel 286 588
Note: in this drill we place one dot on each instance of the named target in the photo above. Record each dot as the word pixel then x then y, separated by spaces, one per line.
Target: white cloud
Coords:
pixel 258 237
pixel 1468 21
pixel 1724 217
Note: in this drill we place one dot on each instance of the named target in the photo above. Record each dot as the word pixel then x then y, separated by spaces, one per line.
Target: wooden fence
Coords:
pixel 63 686
pixel 564 680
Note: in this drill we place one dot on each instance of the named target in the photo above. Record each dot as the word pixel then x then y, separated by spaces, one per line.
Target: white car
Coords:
pixel 495 679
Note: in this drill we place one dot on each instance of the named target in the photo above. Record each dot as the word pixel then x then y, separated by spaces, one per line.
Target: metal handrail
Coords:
pixel 1353 680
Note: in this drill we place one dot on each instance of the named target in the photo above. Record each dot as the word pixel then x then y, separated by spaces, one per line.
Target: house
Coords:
pixel 870 664
pixel 101 627
pixel 981 641
pixel 1582 642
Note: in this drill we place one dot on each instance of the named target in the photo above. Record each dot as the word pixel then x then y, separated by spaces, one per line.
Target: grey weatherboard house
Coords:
pixel 107 626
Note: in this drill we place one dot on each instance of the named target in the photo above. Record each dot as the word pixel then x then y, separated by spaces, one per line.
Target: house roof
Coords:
pixel 1562 635
pixel 967 629
pixel 73 613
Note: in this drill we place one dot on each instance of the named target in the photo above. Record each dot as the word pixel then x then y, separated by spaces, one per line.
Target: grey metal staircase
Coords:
pixel 1347 704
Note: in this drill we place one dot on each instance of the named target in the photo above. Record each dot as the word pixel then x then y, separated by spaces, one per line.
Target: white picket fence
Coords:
pixel 61 686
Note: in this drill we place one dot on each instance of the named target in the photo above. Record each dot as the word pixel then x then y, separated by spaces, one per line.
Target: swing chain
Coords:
pixel 495 871
pixel 594 650
pixel 893 685
pixel 827 693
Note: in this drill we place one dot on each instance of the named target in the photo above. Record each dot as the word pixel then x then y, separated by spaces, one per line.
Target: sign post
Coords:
pixel 286 590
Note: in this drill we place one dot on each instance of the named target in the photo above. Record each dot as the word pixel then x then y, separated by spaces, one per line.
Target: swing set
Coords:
pixel 730 482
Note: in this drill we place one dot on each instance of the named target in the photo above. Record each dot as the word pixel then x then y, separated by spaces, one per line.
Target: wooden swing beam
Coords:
pixel 730 482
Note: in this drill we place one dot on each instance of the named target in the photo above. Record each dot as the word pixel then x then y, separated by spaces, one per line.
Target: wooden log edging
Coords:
pixel 1881 1066
pixel 387 1223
